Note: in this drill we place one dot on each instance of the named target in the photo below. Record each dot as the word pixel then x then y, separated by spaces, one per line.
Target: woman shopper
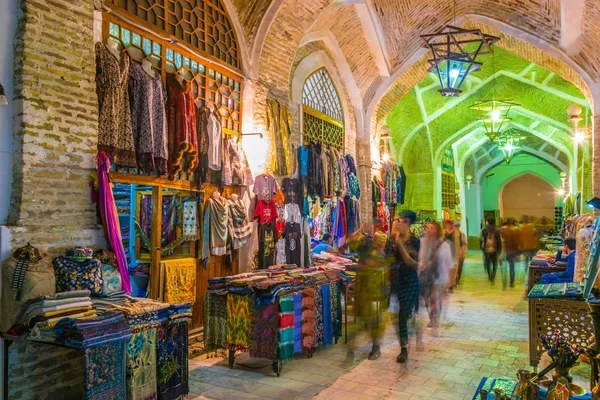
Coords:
pixel 435 262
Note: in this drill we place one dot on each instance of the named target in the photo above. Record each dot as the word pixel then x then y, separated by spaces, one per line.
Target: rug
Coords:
pixel 104 376
pixel 172 360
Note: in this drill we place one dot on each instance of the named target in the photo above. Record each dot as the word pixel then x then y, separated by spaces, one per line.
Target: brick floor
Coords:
pixel 483 332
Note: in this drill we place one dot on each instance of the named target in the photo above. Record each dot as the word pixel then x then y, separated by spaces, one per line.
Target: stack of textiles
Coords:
pixel 173 374
pixel 267 291
pixel 217 285
pixel 244 286
pixel 85 333
pixel 265 322
pixel 42 314
pixel 110 302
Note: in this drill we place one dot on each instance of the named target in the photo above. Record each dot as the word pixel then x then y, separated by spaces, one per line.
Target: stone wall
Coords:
pixel 55 119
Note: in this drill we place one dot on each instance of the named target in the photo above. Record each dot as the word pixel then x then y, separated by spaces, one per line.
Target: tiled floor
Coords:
pixel 484 332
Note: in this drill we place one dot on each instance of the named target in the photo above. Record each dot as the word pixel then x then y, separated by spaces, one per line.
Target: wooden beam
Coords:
pixel 145 180
pixel 155 236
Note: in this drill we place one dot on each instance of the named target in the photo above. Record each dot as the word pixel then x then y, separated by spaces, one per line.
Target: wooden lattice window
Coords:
pixel 323 119
pixel 202 24
pixel 209 83
pixel 448 195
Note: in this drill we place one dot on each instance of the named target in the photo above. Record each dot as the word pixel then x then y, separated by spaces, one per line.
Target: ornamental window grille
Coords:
pixel 448 180
pixel 322 119
pixel 201 24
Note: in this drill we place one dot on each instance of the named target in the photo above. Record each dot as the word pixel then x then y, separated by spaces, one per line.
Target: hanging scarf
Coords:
pixel 108 211
pixel 297 322
pixel 190 221
pixel 215 321
pixel 318 316
pixel 264 332
pixel 308 318
pixel 239 228
pixel 216 216
pixel 238 321
pixel 327 316
pixel 286 328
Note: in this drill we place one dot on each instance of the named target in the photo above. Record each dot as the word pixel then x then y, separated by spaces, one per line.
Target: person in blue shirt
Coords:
pixel 566 275
pixel 325 245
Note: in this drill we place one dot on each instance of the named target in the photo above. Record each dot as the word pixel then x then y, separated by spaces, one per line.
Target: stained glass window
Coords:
pixel 323 119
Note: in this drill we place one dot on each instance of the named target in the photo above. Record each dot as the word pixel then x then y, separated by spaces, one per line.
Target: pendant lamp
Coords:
pixel 509 144
pixel 454 53
pixel 493 114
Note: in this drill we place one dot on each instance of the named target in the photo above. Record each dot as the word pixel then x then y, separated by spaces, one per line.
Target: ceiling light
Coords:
pixel 508 143
pixel 579 136
pixel 493 114
pixel 561 192
pixel 454 53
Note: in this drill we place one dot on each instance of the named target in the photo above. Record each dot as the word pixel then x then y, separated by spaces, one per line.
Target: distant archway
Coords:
pixel 527 195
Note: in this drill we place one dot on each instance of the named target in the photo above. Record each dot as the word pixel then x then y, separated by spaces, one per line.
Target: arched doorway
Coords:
pixel 527 196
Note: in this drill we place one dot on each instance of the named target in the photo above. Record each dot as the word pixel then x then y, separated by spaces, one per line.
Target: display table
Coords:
pixel 508 385
pixel 569 316
pixel 535 272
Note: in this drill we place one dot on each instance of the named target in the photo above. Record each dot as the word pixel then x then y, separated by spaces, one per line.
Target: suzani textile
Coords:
pixel 141 365
pixel 215 325
pixel 172 361
pixel 238 321
pixel 104 376
pixel 179 280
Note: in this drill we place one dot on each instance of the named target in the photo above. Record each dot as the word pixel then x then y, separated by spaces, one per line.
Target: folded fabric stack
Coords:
pixel 111 302
pixel 217 285
pixel 267 291
pixel 244 286
pixel 85 333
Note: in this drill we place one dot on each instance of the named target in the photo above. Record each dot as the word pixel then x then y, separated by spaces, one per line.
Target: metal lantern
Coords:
pixel 493 114
pixel 509 144
pixel 454 54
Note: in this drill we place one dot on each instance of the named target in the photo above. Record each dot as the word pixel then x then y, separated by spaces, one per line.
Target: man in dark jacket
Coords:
pixel 490 242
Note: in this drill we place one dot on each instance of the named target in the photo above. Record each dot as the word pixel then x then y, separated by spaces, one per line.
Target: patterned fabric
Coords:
pixel 297 322
pixel 190 221
pixel 354 186
pixel 104 376
pixel 264 334
pixel 279 124
pixel 336 315
pixel 236 169
pixel 238 225
pixel 111 278
pixel 215 321
pixel 115 135
pixel 327 316
pixel 318 317
pixel 286 328
pixel 238 321
pixel 308 318
pixel 149 119
pixel 172 361
pixel 72 275
pixel 141 365
pixel 179 280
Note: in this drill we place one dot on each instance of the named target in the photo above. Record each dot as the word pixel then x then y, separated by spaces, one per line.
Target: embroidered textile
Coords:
pixel 172 360
pixel 190 221
pixel 149 119
pixel 72 275
pixel 181 117
pixel 327 316
pixel 319 324
pixel 141 365
pixel 236 170
pixel 179 280
pixel 215 321
pixel 104 376
pixel 279 124
pixel 308 318
pixel 216 218
pixel 286 327
pixel 238 321
pixel 115 135
pixel 264 333
pixel 111 279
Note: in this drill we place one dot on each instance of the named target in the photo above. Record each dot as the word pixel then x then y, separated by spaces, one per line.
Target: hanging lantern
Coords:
pixel 384 144
pixel 454 54
pixel 493 114
pixel 509 144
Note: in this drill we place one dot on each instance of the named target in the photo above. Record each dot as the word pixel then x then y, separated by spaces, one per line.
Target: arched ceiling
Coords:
pixel 423 119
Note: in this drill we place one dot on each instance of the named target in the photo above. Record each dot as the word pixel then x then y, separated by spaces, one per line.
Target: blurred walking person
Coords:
pixel 463 250
pixel 490 242
pixel 454 238
pixel 435 262
pixel 404 277
pixel 510 235
pixel 529 241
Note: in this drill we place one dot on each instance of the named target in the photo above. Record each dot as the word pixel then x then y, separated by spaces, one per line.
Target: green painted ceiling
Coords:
pixel 423 122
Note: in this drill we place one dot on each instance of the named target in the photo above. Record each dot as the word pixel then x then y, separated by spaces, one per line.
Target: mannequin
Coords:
pixel 113 46
pixel 147 67
pixel 211 107
pixel 234 197
pixel 216 196
pixel 180 77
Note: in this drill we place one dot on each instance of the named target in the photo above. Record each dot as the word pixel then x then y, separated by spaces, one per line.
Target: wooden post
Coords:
pixel 155 241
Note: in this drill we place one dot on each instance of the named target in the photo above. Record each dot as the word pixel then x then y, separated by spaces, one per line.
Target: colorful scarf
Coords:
pixel 105 375
pixel 297 322
pixel 215 321
pixel 327 316
pixel 141 365
pixel 336 308
pixel 319 326
pixel 238 321
pixel 238 225
pixel 108 211
pixel 173 360
pixel 286 328
pixel 264 332
pixel 308 318
pixel 216 217
pixel 190 221
pixel 179 284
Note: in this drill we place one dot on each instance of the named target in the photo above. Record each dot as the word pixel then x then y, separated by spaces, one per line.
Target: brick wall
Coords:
pixel 55 122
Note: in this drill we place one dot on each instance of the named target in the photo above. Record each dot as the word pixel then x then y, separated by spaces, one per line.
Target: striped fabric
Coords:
pixel 286 327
